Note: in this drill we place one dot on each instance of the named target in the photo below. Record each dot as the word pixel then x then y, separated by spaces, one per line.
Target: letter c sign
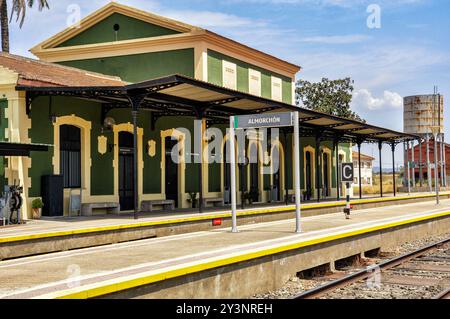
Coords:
pixel 347 172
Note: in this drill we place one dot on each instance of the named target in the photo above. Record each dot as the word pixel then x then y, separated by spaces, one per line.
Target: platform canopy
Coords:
pixel 178 95
pixel 19 149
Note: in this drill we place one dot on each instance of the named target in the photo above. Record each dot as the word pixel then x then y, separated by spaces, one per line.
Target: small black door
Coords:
pixel 308 172
pixel 171 172
pixel 126 171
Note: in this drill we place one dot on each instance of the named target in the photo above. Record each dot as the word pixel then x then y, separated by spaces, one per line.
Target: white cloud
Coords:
pixel 336 39
pixel 211 19
pixel 364 99
pixel 335 3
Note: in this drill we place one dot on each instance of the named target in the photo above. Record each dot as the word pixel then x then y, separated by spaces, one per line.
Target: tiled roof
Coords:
pixel 363 157
pixel 38 73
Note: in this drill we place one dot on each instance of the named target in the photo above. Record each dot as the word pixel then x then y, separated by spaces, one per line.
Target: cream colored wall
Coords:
pixel 17 131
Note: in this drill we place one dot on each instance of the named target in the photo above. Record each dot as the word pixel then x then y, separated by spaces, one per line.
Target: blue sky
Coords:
pixel 408 55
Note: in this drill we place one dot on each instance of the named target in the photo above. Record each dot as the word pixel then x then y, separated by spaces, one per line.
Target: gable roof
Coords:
pixel 106 11
pixel 50 51
pixel 38 73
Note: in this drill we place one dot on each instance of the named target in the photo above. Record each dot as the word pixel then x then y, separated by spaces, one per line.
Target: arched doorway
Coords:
pixel 171 171
pixel 70 155
pixel 126 171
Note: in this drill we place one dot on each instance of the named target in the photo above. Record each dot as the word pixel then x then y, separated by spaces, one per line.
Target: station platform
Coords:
pixel 62 234
pixel 125 267
pixel 55 227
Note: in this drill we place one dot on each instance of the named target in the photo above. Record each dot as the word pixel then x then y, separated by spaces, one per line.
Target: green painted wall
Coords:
pixel 102 173
pixel 141 67
pixel 42 132
pixel 3 127
pixel 215 76
pixel 130 28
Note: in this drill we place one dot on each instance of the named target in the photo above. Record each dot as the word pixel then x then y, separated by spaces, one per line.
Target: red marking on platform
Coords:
pixel 217 222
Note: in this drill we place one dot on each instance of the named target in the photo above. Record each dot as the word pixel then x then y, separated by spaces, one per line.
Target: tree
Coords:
pixel 19 9
pixel 328 96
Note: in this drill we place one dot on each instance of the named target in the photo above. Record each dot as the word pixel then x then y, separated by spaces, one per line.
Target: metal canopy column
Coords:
pixel 380 148
pixel 318 166
pixel 359 169
pixel 136 99
pixel 336 149
pixel 200 117
pixel 393 168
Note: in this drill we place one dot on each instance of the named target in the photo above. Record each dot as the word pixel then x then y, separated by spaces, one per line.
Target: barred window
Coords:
pixel 70 155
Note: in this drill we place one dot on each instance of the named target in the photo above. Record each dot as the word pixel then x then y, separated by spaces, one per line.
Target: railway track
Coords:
pixel 426 269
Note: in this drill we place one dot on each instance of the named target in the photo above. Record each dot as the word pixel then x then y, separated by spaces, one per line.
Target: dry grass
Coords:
pixel 388 185
pixel 373 190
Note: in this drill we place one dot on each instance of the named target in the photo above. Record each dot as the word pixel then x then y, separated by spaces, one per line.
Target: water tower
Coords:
pixel 421 112
pixel 423 115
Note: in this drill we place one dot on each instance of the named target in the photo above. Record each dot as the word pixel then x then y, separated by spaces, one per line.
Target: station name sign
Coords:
pixel 264 120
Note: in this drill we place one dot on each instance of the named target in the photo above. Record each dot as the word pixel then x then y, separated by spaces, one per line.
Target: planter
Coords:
pixel 37 213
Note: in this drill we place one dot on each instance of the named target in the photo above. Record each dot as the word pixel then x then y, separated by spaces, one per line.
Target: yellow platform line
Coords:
pixel 121 284
pixel 262 211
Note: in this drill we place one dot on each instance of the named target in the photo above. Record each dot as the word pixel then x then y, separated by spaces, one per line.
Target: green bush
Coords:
pixel 37 203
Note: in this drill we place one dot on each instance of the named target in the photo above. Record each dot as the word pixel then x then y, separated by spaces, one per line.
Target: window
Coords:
pixel 277 92
pixel 229 75
pixel 254 82
pixel 70 155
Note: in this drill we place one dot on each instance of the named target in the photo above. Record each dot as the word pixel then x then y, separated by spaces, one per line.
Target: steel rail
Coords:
pixel 443 295
pixel 364 274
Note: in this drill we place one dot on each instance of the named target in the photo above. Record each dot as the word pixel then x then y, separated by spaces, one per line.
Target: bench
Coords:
pixel 113 208
pixel 167 204
pixel 217 202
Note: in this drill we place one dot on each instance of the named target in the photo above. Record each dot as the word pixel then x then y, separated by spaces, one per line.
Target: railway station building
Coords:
pixel 124 81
